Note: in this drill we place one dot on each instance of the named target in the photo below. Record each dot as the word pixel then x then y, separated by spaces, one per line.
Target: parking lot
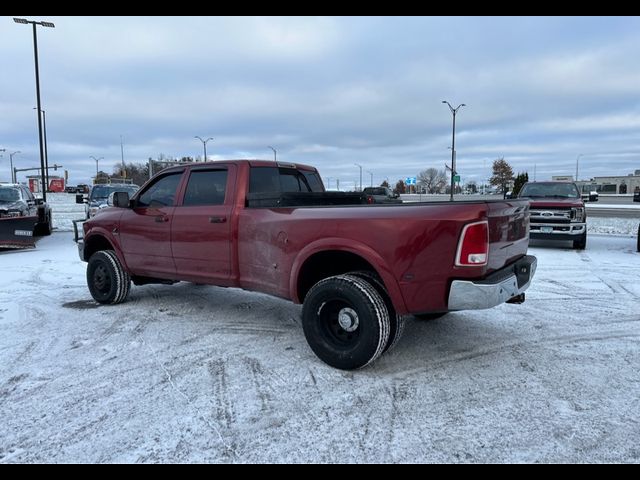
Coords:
pixel 189 373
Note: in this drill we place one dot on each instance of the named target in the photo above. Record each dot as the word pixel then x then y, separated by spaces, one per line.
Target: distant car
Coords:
pixel 381 195
pixel 636 196
pixel 99 196
pixel 589 193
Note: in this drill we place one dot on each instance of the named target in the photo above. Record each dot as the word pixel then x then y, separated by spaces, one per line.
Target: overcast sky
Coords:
pixel 330 92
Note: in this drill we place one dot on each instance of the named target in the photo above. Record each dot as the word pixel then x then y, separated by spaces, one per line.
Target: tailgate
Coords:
pixel 508 232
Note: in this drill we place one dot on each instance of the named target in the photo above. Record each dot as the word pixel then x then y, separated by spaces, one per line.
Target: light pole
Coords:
pixel 13 179
pixel 578 158
pixel 97 160
pixel 275 153
pixel 39 104
pixel 4 150
pixel 204 145
pixel 371 173
pixel 360 167
pixel 453 144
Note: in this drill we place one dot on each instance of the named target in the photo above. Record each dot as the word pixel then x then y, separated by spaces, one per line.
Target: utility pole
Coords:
pixel 275 153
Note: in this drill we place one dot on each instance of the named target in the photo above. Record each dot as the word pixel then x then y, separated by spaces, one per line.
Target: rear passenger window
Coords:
pixel 264 180
pixel 206 187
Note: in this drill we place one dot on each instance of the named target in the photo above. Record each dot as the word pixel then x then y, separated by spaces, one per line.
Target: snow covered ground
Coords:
pixel 189 373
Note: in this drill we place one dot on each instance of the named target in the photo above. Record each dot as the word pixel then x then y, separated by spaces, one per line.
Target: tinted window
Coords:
pixel 275 180
pixel 264 180
pixel 293 181
pixel 314 181
pixel 206 187
pixel 99 192
pixel 161 193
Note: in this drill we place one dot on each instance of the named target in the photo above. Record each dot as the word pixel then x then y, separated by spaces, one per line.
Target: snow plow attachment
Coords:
pixel 17 232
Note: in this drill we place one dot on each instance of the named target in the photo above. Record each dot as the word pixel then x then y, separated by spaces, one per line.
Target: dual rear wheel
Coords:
pixel 349 320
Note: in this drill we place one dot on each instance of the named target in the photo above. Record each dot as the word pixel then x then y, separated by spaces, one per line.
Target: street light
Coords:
pixel 46 152
pixel 13 179
pixel 204 144
pixel 35 55
pixel 97 160
pixel 371 173
pixel 359 166
pixel 275 154
pixel 578 158
pixel 453 144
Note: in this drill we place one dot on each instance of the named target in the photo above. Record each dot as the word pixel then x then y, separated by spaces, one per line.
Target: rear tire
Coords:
pixel 345 321
pixel 581 243
pixel 396 322
pixel 108 282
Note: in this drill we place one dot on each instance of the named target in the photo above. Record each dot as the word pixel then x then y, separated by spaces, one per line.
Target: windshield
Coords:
pixel 9 194
pixel 102 192
pixel 551 189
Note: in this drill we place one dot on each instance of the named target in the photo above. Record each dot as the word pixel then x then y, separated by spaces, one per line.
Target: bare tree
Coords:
pixel 432 180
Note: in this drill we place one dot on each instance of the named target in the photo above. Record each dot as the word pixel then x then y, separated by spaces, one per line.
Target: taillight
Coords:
pixel 370 200
pixel 473 247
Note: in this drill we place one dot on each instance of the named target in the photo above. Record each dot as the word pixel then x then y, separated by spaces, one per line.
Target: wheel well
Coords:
pixel 327 264
pixel 95 244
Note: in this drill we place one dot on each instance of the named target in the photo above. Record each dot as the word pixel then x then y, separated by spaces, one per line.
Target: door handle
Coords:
pixel 217 219
pixel 161 218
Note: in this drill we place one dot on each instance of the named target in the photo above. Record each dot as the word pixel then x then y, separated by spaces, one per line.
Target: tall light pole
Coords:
pixel 124 167
pixel 39 104
pixel 275 153
pixel 204 145
pixel 97 160
pixel 578 158
pixel 359 166
pixel 4 150
pixel 13 178
pixel 453 144
pixel 46 152
pixel 371 173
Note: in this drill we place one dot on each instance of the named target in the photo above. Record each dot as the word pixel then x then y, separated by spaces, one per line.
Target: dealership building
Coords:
pixel 613 185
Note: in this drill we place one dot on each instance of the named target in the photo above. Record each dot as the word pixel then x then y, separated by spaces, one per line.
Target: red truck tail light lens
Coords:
pixel 473 247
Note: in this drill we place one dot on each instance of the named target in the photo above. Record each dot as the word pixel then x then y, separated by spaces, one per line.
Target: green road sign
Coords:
pixel 456 178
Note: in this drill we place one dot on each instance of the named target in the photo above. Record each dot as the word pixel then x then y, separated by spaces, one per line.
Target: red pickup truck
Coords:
pixel 557 212
pixel 270 227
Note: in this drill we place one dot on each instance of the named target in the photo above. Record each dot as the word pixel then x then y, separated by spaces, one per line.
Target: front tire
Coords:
pixel 345 321
pixel 581 243
pixel 108 282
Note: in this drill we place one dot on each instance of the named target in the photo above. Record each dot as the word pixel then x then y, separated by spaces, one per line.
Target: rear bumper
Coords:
pixel 497 288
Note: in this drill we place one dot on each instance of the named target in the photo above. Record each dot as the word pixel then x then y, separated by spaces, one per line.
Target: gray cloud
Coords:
pixel 329 92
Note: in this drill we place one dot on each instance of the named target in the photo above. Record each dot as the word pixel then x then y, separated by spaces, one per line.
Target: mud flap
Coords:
pixel 17 232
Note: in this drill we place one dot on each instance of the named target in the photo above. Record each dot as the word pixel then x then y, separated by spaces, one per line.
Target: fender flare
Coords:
pixel 109 237
pixel 360 249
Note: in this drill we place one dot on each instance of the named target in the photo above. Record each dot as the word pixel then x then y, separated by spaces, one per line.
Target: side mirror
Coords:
pixel 118 199
pixel 396 195
pixel 39 201
pixel 509 195
pixel 80 198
